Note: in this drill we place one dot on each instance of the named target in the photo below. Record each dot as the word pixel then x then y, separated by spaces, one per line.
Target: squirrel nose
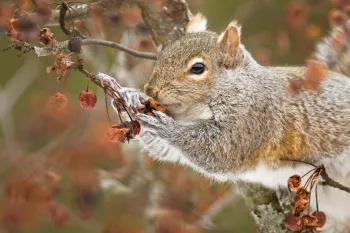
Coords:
pixel 150 91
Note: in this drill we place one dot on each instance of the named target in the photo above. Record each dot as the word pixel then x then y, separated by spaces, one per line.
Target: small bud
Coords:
pixel 74 45
pixel 87 99
pixel 58 101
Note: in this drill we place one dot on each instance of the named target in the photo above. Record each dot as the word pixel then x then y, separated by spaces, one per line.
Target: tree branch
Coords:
pixel 110 44
pixel 264 206
pixel 63 48
pixel 330 182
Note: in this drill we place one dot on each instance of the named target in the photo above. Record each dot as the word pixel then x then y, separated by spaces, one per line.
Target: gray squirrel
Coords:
pixel 231 118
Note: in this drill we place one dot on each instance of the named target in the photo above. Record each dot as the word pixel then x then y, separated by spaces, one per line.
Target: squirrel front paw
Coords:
pixel 159 123
pixel 132 97
pixel 155 135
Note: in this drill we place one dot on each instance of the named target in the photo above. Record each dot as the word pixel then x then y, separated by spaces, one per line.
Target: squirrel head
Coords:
pixel 186 69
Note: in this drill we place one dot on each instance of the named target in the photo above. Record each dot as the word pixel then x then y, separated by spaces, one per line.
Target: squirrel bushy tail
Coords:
pixel 334 49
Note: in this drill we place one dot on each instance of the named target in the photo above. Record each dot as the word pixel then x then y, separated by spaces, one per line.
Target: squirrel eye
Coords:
pixel 197 68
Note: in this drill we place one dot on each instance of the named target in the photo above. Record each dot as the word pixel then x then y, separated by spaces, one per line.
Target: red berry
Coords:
pixel 321 218
pixel 87 99
pixel 292 223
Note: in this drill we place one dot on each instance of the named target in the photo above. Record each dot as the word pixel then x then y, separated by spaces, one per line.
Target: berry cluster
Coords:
pixel 299 218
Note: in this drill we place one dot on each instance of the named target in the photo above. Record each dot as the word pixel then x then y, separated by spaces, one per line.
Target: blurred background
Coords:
pixel 59 173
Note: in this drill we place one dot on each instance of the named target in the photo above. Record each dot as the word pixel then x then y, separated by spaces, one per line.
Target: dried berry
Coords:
pixel 321 218
pixel 116 134
pixel 302 194
pixel 151 105
pixel 87 99
pixel 294 182
pixel 300 207
pixel 46 37
pixel 309 221
pixel 12 32
pixel 58 101
pixel 61 66
pixel 136 127
pixel 293 223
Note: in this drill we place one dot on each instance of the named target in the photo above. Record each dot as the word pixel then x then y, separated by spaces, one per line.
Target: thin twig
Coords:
pixel 299 161
pixel 316 194
pixel 308 172
pixel 64 8
pixel 327 180
pixel 330 182
pixel 110 44
pixel 109 119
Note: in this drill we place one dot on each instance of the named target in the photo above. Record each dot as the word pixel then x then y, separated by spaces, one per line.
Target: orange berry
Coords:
pixel 58 101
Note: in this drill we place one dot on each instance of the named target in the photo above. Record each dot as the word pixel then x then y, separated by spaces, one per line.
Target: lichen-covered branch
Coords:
pixel 64 48
pixel 264 206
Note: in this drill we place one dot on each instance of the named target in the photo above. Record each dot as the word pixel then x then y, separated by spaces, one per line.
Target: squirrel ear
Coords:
pixel 197 24
pixel 230 39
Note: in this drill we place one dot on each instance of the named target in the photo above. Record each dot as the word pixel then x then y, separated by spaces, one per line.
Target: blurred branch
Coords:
pixel 169 24
pixel 64 8
pixel 217 206
pixel 110 44
pixel 17 84
pixel 82 10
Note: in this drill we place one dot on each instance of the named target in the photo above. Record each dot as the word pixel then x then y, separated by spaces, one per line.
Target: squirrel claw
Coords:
pixel 131 97
pixel 162 117
pixel 146 120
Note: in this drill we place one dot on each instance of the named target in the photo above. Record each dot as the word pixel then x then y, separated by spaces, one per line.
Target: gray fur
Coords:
pixel 250 105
